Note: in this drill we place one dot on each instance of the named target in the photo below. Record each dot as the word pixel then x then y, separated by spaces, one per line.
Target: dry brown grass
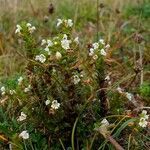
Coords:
pixel 10 13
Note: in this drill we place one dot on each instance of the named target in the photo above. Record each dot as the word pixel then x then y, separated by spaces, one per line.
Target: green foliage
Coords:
pixel 142 10
pixel 62 73
pixel 117 103
pixel 145 90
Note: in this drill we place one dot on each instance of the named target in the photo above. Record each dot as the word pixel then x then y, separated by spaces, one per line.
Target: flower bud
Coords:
pixel 58 55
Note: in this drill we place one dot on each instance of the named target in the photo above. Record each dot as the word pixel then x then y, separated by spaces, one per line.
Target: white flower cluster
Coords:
pixel 48 44
pixel 76 40
pixel 27 89
pixel 68 23
pixel 65 43
pixel 143 119
pixel 47 102
pixel 3 90
pixel 31 28
pixel 12 92
pixel 20 79
pixel 55 105
pixel 22 117
pixel 58 55
pixel 41 58
pixel 107 78
pixel 24 134
pixel 128 95
pixel 76 79
pixel 95 46
pixel 18 29
pixel 119 89
pixel 105 123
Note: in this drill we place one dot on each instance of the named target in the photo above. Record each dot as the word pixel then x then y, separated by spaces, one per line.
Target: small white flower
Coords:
pixel 24 134
pixel 29 86
pixel 109 82
pixel 107 78
pixel 28 25
pixel 49 43
pixel 65 36
pixel 95 45
pixel 91 53
pixel 20 80
pixel 91 50
pixel 18 29
pixel 104 122
pixel 22 117
pixel 129 96
pixel 119 90
pixel 41 58
pixel 47 102
pixel 144 114
pixel 55 104
pixel 76 40
pixel 49 53
pixel 59 22
pixel 43 42
pixel 54 70
pixel 107 46
pixel 46 49
pixel 55 38
pixel 143 123
pixel 37 57
pixel 94 100
pixel 69 23
pixel 102 41
pixel 32 29
pixel 58 55
pixel 143 119
pixel 27 89
pixel 102 51
pixel 76 79
pixel 81 75
pixel 65 44
pixel 12 92
pixel 3 90
pixel 95 57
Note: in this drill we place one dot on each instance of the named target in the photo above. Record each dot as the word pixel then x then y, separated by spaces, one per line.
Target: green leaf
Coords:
pixel 123 126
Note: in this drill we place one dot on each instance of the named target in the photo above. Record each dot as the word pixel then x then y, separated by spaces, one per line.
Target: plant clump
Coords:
pixel 60 96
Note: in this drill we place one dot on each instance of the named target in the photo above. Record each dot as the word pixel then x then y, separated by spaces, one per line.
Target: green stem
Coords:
pixel 93 140
pixel 63 147
pixel 73 131
pixel 25 145
pixel 74 126
pixel 129 141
